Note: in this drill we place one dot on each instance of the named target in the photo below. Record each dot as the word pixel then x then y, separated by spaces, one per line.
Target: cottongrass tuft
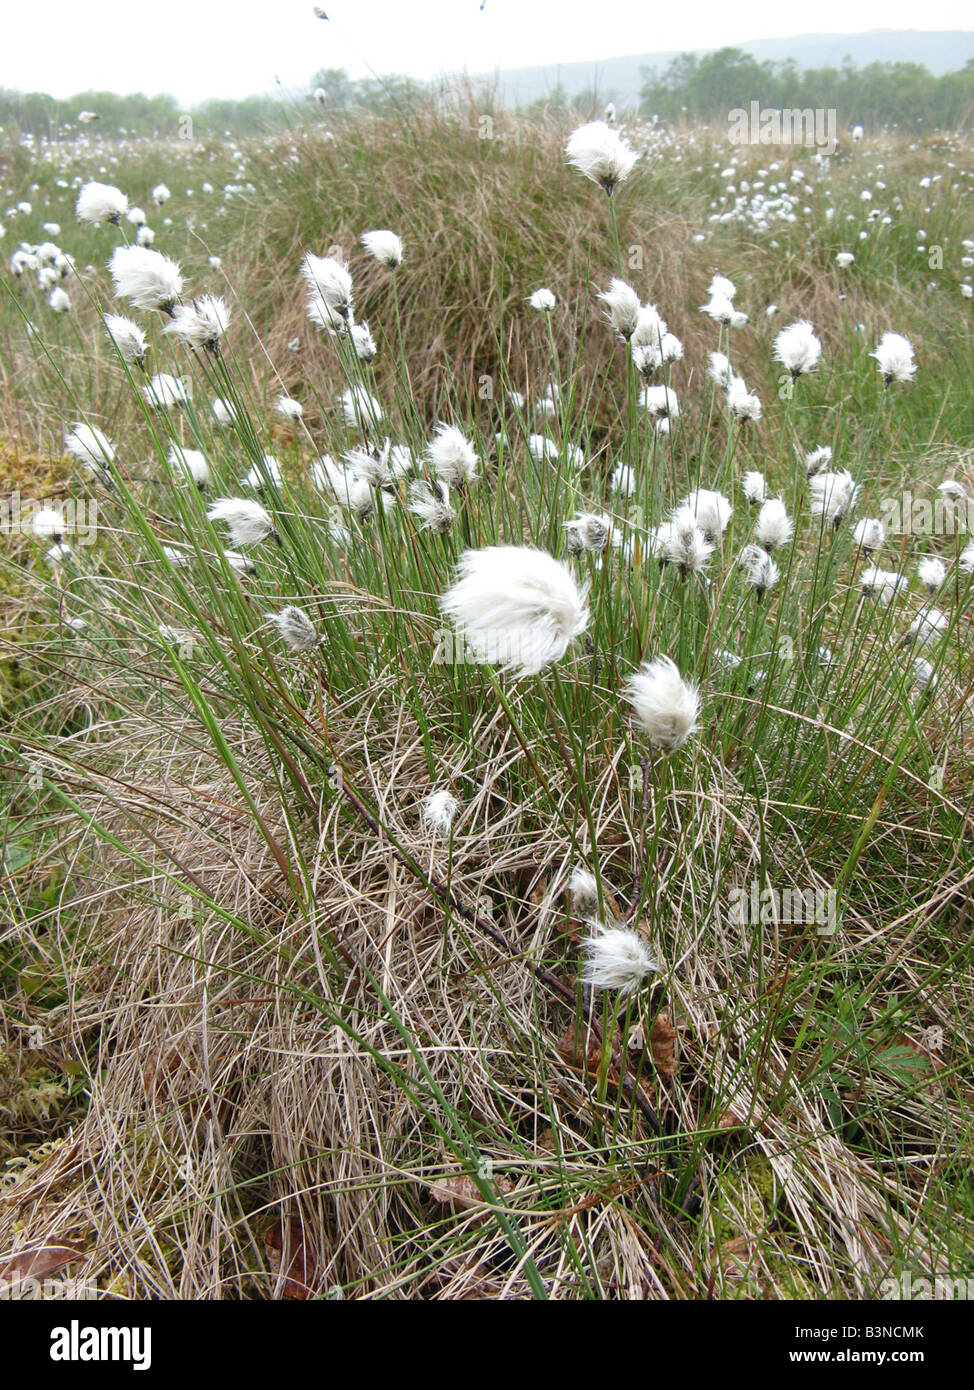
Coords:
pixel 385 246
pixel 296 628
pixel 128 337
pixel 833 495
pixel 616 958
pixel 601 154
pixel 894 353
pixel 246 520
pixel 453 456
pixel 147 278
pixel 518 608
pixel 797 348
pixel 667 707
pixel 439 812
pixel 200 324
pixel 101 202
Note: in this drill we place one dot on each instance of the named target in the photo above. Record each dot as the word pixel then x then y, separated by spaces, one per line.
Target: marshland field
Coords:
pixel 486 807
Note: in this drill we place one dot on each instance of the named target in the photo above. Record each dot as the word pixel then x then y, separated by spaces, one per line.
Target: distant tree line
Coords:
pixel 162 117
pixel 706 87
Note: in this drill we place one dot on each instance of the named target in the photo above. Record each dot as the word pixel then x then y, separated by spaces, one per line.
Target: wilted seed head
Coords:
pixel 100 202
pixel 91 447
pixel 439 812
pixel 774 527
pixel 128 338
pixel 296 628
pixel 894 353
pixel 588 531
pixel 761 572
pixel 818 460
pixel 584 893
pixel 453 456
pixel 190 465
pixel 797 348
pixel 621 308
pixel 330 281
pixel 201 324
pixel 246 520
pixel 833 495
pixel 932 573
pixel 601 154
pixel 726 660
pixel 666 705
pixel 518 609
pixel 754 486
pixel 163 391
pixel 430 501
pixel 711 511
pixel 148 278
pixel 930 624
pixel 884 585
pixel 869 534
pixel 385 246
pixel 616 958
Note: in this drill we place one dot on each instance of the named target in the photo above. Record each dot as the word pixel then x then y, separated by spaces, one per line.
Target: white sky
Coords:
pixel 200 48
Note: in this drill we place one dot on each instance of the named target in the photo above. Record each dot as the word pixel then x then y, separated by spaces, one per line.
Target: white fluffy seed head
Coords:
pixel 833 495
pixel 894 354
pixel 516 608
pixel 754 486
pixel 89 446
pixel 201 324
pixel 617 959
pixel 147 278
pixel 797 348
pixel 884 585
pixel 439 812
pixel 932 572
pixel 601 154
pixel 667 707
pixel 296 628
pixel 761 572
pixel 128 338
pixel 246 520
pixel 453 456
pixel 869 534
pixel 711 510
pixel 100 202
pixel 621 307
pixel 385 246
pixel 774 527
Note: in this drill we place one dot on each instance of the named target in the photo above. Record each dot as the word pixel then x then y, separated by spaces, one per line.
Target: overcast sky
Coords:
pixel 200 48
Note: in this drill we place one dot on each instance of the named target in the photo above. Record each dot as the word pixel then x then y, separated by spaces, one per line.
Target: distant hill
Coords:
pixel 620 79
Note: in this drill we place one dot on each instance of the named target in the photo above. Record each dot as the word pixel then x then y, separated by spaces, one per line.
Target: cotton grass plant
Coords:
pixel 411 770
